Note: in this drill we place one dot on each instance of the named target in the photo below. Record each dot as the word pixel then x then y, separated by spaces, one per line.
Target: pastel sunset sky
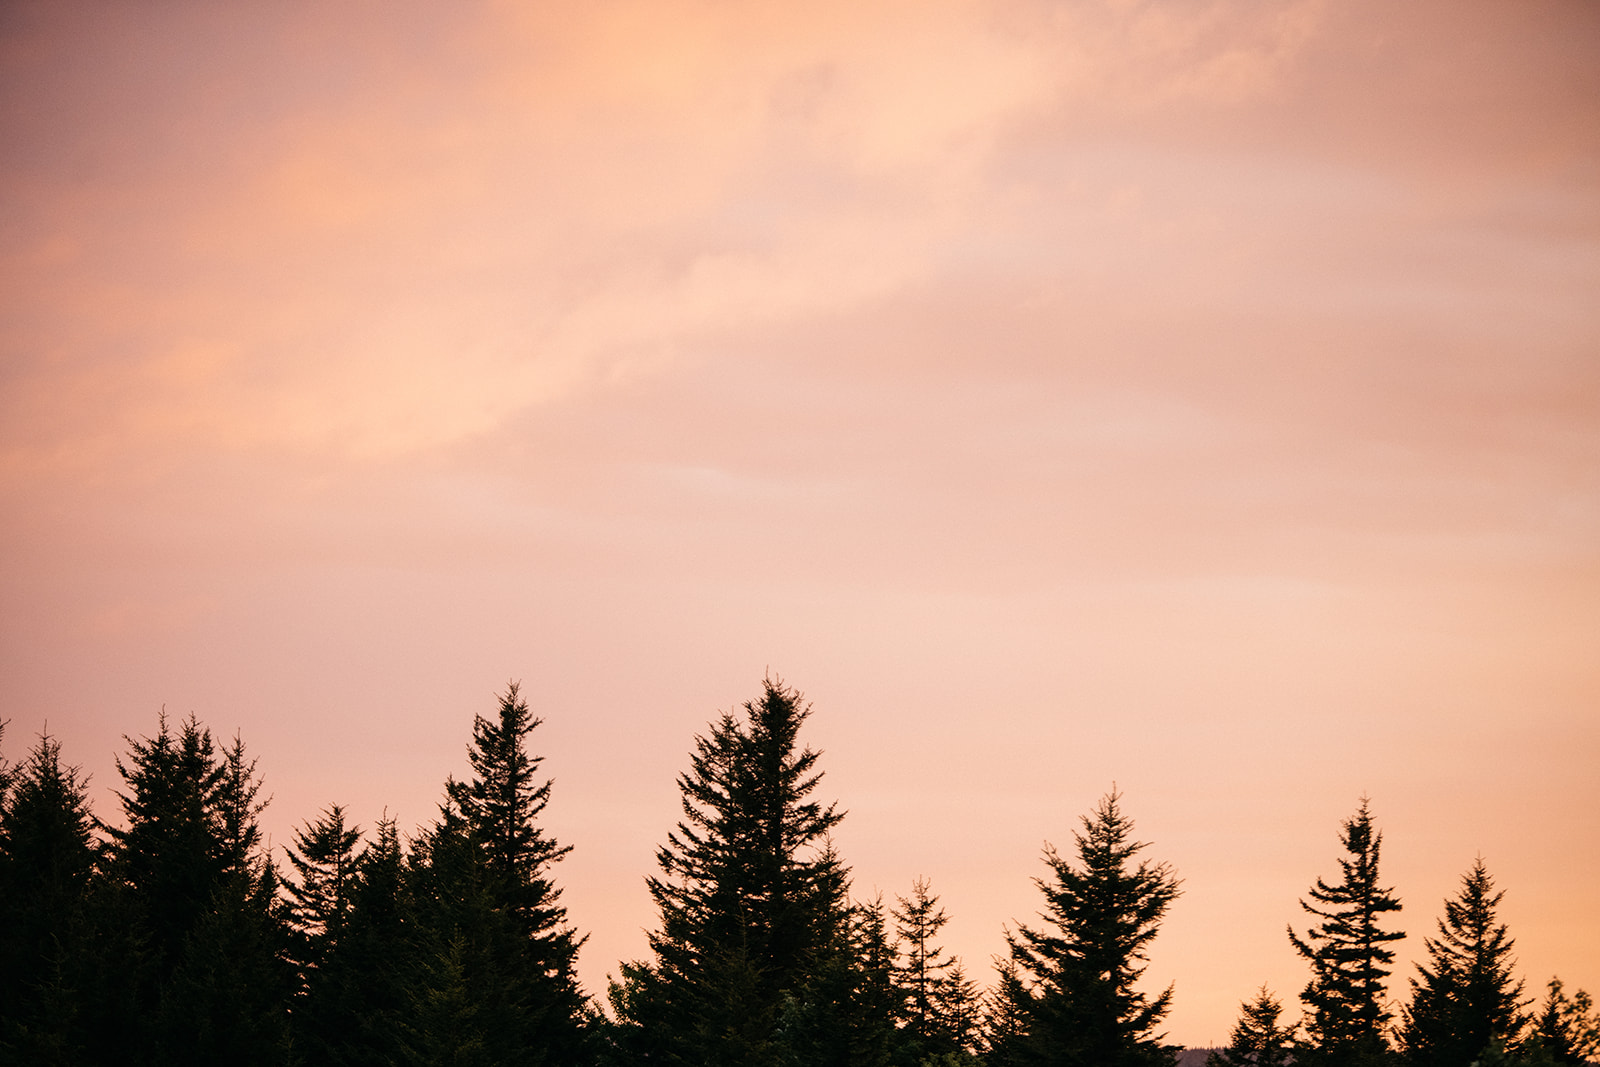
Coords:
pixel 1200 397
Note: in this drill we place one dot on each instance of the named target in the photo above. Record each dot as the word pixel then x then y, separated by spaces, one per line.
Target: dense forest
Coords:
pixel 171 935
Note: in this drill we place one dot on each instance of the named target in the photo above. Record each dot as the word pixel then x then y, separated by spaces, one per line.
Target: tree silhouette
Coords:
pixel 1257 1039
pixel 1565 1028
pixel 48 853
pixel 1080 1004
pixel 1465 996
pixel 492 955
pixel 1345 997
pixel 938 1003
pixel 324 861
pixel 754 919
pixel 205 967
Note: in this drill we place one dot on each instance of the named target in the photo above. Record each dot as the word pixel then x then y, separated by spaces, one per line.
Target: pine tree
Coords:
pixel 1565 1029
pixel 362 999
pixel 325 860
pixel 939 1009
pixel 1466 996
pixel 489 923
pixel 918 920
pixel 752 900
pixel 1257 1039
pixel 1004 1020
pixel 48 853
pixel 205 968
pixel 502 804
pixel 961 1011
pixel 1347 1015
pixel 1079 1005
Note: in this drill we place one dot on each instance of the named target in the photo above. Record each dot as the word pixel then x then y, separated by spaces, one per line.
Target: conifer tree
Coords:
pixel 754 918
pixel 362 998
pixel 1565 1029
pixel 1347 1016
pixel 1004 1023
pixel 1257 1039
pixel 48 852
pixel 206 970
pixel 1079 1004
pixel 961 1009
pixel 324 861
pixel 1466 996
pixel 491 936
pixel 938 1001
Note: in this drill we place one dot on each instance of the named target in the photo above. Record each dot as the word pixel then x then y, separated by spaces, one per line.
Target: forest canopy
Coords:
pixel 173 934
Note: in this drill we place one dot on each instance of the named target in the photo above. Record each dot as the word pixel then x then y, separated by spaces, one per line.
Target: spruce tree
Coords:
pixel 961 1013
pixel 48 853
pixel 493 957
pixel 754 917
pixel 938 1001
pixel 1565 1029
pixel 324 861
pixel 1004 1022
pixel 873 994
pixel 1079 1004
pixel 1257 1039
pixel 1346 1012
pixel 205 968
pixel 1465 996
pixel 362 997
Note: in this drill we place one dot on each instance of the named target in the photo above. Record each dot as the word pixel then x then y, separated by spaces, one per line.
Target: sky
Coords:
pixel 1197 399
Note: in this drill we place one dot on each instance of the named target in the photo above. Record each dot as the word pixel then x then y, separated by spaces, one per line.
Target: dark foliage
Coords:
pixel 205 965
pixel 937 1004
pixel 48 852
pixel 753 955
pixel 1074 994
pixel 1347 1016
pixel 490 973
pixel 1565 1029
pixel 1464 997
pixel 1257 1039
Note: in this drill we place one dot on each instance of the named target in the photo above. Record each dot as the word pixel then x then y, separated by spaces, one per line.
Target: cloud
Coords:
pixel 486 213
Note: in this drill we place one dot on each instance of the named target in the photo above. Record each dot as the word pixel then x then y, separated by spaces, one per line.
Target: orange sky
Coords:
pixel 1202 397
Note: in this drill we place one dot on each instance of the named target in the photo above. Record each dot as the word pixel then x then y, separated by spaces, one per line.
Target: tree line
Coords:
pixel 175 937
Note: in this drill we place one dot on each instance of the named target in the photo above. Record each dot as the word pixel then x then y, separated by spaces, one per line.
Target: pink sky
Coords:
pixel 1201 397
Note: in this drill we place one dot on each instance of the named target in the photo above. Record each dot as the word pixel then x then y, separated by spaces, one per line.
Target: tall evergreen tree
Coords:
pixel 754 918
pixel 495 954
pixel 206 967
pixel 873 993
pixel 324 862
pixel 1347 1015
pixel 362 996
pixel 918 920
pixel 961 1011
pixel 938 1010
pixel 1466 996
pixel 48 852
pixel 1565 1029
pixel 1257 1039
pixel 1080 1005
pixel 1004 1020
